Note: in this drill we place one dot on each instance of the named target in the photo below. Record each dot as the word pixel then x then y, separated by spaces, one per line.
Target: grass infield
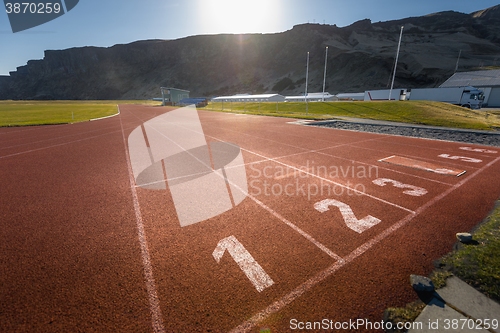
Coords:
pixel 479 263
pixel 27 113
pixel 414 112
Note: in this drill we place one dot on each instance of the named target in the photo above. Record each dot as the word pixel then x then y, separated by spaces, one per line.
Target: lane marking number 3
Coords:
pixel 411 190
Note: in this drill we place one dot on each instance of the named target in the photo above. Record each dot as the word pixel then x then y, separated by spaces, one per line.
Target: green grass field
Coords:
pixel 25 113
pixel 479 264
pixel 414 112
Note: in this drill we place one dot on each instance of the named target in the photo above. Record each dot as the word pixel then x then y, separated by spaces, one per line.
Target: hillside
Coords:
pixel 361 56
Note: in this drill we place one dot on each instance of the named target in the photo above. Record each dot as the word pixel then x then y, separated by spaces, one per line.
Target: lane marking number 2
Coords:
pixel 412 190
pixel 349 218
pixel 254 272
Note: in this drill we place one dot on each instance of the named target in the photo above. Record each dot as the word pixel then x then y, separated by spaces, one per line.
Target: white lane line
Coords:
pixel 305 150
pixel 261 204
pixel 154 302
pixel 297 229
pixel 57 145
pixel 386 169
pixel 106 117
pixel 42 128
pixel 458 143
pixel 290 224
pixel 18 129
pixel 321 152
pixel 309 284
pixel 330 181
pixel 275 160
pixel 54 138
pixel 422 158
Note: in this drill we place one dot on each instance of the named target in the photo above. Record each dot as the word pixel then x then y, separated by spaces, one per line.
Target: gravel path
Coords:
pixel 474 137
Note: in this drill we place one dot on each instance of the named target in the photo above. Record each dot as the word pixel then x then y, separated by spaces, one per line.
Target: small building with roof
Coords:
pixel 172 96
pixel 486 80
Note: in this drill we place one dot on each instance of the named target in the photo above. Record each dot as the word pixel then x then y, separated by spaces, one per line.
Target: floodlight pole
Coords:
pixel 324 76
pixel 307 79
pixel 458 60
pixel 396 63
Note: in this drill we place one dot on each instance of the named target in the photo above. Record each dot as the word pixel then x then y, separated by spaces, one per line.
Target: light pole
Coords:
pixel 324 76
pixel 396 63
pixel 458 60
pixel 307 79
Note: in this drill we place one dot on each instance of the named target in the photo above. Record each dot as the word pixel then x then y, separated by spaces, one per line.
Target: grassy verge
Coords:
pixel 24 113
pixel 478 264
pixel 415 112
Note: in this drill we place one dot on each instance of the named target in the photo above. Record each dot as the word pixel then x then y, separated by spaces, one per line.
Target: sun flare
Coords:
pixel 237 16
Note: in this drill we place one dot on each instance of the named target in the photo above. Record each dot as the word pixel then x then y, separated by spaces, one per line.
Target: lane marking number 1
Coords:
pixel 349 218
pixel 244 259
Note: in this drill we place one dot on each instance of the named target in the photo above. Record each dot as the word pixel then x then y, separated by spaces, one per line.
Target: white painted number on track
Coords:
pixel 247 263
pixel 461 158
pixel 349 218
pixel 412 190
pixel 479 150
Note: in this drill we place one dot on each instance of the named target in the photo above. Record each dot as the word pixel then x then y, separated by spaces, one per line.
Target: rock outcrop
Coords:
pixel 361 56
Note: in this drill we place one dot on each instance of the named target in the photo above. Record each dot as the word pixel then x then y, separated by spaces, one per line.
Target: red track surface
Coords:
pixel 82 250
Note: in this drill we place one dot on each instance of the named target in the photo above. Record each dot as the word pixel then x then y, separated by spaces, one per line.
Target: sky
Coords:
pixel 109 22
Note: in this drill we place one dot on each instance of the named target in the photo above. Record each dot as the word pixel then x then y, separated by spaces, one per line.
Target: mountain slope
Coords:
pixel 361 56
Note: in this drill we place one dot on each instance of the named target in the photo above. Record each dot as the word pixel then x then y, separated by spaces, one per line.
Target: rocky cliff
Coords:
pixel 361 56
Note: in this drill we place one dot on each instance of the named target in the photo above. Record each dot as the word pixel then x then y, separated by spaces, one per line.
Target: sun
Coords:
pixel 237 16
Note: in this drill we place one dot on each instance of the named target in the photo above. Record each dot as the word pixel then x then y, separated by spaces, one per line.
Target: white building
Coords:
pixel 250 98
pixel 312 97
pixel 351 96
pixel 488 81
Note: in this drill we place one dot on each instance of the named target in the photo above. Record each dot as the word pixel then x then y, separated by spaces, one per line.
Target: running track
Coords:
pixel 84 250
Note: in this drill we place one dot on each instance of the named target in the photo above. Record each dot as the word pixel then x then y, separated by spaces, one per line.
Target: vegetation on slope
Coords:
pixel 413 112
